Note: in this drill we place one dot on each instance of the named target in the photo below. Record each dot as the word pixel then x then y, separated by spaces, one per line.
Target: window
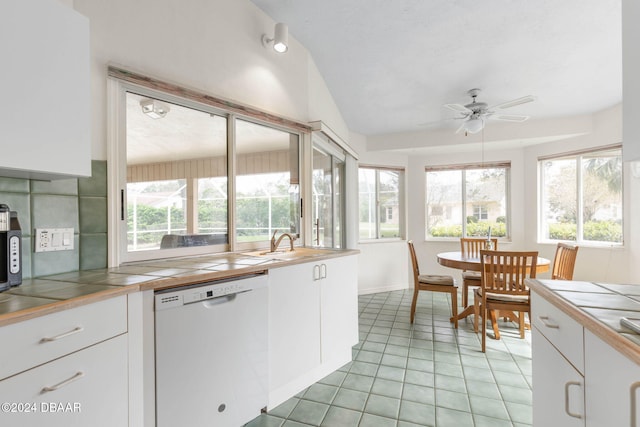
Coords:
pixel 178 175
pixel 581 197
pixel 467 200
pixel 480 212
pixel 381 204
pixel 267 187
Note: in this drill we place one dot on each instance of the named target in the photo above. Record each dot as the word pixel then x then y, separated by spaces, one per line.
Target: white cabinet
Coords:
pixel 578 379
pixel 45 112
pixel 39 340
pixel 338 308
pixel 85 388
pixel 69 368
pixel 313 323
pixel 294 323
pixel 612 382
pixel 558 366
pixel 558 388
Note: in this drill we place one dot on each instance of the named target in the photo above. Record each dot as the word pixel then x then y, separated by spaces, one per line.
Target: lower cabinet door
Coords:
pixel 558 388
pixel 294 323
pixel 85 388
pixel 612 392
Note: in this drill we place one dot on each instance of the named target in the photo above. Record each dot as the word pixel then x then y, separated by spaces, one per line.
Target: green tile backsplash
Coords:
pixel 79 203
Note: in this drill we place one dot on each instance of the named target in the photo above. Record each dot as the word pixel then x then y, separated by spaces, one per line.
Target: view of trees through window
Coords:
pixel 582 197
pixel 178 175
pixel 467 200
pixel 380 207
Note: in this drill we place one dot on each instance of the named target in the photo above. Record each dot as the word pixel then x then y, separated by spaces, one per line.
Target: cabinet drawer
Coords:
pixel 86 388
pixel 37 341
pixel 562 331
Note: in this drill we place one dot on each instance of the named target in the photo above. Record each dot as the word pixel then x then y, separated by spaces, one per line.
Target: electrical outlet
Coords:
pixel 54 239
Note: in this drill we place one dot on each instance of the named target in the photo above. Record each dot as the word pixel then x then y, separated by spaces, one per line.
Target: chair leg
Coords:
pixel 476 312
pixel 465 293
pixel 494 323
pixel 521 324
pixel 454 307
pixel 484 328
pixel 413 303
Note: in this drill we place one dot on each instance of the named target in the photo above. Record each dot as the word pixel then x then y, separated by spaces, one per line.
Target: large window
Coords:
pixel 182 182
pixel 467 200
pixel 381 208
pixel 581 197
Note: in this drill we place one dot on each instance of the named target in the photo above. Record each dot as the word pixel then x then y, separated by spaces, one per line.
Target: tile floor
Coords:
pixel 425 374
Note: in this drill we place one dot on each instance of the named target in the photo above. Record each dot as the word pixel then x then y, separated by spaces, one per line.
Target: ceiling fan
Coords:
pixel 476 113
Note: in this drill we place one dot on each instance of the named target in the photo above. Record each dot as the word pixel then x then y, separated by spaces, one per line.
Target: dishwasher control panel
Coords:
pixel 205 291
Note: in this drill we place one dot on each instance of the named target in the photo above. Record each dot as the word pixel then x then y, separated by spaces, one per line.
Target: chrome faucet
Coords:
pixel 275 243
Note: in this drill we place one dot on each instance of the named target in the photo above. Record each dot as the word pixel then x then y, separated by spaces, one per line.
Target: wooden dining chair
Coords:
pixel 503 288
pixel 564 262
pixel 471 247
pixel 434 283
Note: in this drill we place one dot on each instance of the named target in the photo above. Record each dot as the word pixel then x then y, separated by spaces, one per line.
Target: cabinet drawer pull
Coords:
pixel 545 322
pixel 65 334
pixel 323 271
pixel 566 398
pixel 633 389
pixel 76 377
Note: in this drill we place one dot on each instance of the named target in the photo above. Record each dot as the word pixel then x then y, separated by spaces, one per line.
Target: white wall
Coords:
pixel 383 264
pixel 213 46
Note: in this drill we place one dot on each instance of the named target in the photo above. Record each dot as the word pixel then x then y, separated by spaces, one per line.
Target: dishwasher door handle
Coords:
pixel 212 302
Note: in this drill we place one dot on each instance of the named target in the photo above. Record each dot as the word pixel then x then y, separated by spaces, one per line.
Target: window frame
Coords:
pixel 118 252
pixel 401 203
pixel 577 156
pixel 462 168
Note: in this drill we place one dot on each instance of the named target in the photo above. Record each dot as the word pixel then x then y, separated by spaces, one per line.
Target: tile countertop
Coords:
pixel 45 295
pixel 598 307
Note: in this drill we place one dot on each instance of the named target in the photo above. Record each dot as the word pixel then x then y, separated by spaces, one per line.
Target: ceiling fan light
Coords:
pixel 474 125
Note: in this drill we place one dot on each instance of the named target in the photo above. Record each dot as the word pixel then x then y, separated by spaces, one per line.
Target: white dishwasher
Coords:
pixel 211 353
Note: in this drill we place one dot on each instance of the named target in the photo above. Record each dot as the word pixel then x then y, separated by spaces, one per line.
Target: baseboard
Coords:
pixel 387 288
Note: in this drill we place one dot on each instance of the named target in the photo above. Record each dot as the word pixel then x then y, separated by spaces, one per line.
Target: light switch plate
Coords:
pixel 54 239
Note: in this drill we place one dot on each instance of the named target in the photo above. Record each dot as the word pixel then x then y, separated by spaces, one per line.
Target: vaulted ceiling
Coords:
pixel 392 65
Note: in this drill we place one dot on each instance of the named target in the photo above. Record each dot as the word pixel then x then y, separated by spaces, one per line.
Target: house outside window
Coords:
pixel 480 212
pixel 467 200
pixel 581 197
pixel 381 206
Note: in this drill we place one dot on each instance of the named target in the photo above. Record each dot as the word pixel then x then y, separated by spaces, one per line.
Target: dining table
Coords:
pixel 461 261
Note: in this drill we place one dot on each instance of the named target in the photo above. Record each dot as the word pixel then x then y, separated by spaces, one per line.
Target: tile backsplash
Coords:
pixel 79 203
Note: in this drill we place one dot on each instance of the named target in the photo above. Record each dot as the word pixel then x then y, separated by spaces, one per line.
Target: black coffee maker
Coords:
pixel 10 249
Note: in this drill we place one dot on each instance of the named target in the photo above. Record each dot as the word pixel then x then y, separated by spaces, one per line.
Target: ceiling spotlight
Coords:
pixel 280 38
pixel 153 108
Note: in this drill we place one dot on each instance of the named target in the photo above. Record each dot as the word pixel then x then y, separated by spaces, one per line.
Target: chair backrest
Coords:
pixel 503 272
pixel 414 261
pixel 471 246
pixel 564 262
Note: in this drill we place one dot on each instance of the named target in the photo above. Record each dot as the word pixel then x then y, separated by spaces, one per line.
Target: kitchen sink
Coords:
pixel 287 254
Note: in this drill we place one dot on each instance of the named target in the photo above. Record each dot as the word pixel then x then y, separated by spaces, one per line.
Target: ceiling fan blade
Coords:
pixel 509 118
pixel 458 108
pixel 464 123
pixel 513 103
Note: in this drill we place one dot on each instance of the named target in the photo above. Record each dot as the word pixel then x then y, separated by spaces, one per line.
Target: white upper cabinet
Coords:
pixel 630 80
pixel 45 111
